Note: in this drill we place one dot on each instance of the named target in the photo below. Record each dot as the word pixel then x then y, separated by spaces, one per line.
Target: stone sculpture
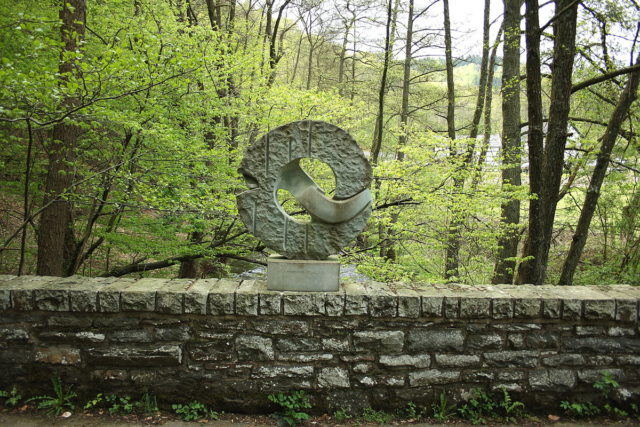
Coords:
pixel 273 163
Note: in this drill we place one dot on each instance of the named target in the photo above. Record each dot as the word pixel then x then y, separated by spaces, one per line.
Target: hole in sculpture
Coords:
pixel 322 175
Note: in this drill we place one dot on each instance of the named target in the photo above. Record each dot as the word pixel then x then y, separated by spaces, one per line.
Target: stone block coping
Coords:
pixel 383 300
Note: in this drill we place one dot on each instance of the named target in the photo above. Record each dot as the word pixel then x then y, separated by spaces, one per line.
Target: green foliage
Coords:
pixel 606 385
pixel 119 405
pixel 442 411
pixel 370 415
pixel 61 401
pixel 342 415
pixel 194 411
pixel 411 412
pixel 11 398
pixel 293 405
pixel 483 406
pixel 148 403
pixel 95 402
pixel 579 409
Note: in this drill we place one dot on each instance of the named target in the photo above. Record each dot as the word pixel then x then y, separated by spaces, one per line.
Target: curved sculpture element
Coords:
pixel 273 163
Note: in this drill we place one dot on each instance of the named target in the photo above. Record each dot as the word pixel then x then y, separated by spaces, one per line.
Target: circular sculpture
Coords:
pixel 273 163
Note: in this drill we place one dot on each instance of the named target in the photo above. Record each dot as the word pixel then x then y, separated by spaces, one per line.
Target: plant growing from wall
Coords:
pixel 12 398
pixel 606 385
pixel 293 405
pixel 194 411
pixel 370 415
pixel 442 411
pixel 62 399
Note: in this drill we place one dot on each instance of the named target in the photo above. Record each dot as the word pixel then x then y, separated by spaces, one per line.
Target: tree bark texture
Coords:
pixel 55 238
pixel 552 163
pixel 618 116
pixel 535 139
pixel 511 168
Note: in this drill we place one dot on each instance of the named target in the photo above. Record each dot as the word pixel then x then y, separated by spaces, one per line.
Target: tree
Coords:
pixel 550 173
pixel 609 138
pixel 511 168
pixel 56 235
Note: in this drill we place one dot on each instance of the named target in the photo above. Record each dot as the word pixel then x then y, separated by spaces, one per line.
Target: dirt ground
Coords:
pixel 33 419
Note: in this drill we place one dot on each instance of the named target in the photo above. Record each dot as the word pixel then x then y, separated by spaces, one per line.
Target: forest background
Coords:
pixel 122 124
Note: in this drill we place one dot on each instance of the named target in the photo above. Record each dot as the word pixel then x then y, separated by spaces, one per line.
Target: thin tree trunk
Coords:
pixel 25 212
pixel 486 139
pixel 452 262
pixel 482 84
pixel 627 97
pixel 562 67
pixel 406 79
pixel 511 168
pixel 535 140
pixel 55 238
pixel 377 135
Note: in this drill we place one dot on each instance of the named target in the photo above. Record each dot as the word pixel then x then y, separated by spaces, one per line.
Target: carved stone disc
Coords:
pixel 272 163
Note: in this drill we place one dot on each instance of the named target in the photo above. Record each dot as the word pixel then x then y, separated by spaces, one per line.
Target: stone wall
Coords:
pixel 231 343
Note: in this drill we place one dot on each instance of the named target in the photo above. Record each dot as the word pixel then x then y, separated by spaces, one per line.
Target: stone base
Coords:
pixel 303 275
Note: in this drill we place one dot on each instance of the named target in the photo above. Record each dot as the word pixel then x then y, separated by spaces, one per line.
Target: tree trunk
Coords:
pixel 482 84
pixel 510 210
pixel 406 79
pixel 55 239
pixel 451 262
pixel 535 140
pixel 377 134
pixel 551 171
pixel 618 116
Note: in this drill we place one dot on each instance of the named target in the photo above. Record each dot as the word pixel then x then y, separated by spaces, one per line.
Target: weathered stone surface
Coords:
pixel 563 360
pixel 282 372
pixel 451 307
pixel 429 377
pixel 132 335
pixel 247 298
pixel 270 303
pixel 417 361
pixel 542 340
pixel 252 347
pixel 380 341
pixel 213 350
pixel 552 380
pixel 383 302
pixel 170 297
pixel 58 355
pixel 83 295
pixel 22 290
pixel 356 301
pixel 304 304
pixel 334 303
pixel 273 161
pixel 333 378
pixel 527 308
pixel 282 327
pixel 436 340
pixel 85 336
pixel 221 297
pixel 502 308
pixel 432 306
pixel 599 309
pixel 602 344
pixel 298 344
pixel 457 360
pixel 141 295
pixel 109 295
pixel 551 308
pixel 484 342
pixel 475 308
pixel 586 331
pixel 164 355
pixel 506 359
pixel 336 345
pixel 13 334
pixel 617 331
pixel 627 310
pixel 571 309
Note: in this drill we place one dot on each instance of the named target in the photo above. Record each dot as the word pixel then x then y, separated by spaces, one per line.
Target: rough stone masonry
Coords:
pixel 230 343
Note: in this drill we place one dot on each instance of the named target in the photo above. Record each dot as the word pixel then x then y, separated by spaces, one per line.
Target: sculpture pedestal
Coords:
pixel 303 275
